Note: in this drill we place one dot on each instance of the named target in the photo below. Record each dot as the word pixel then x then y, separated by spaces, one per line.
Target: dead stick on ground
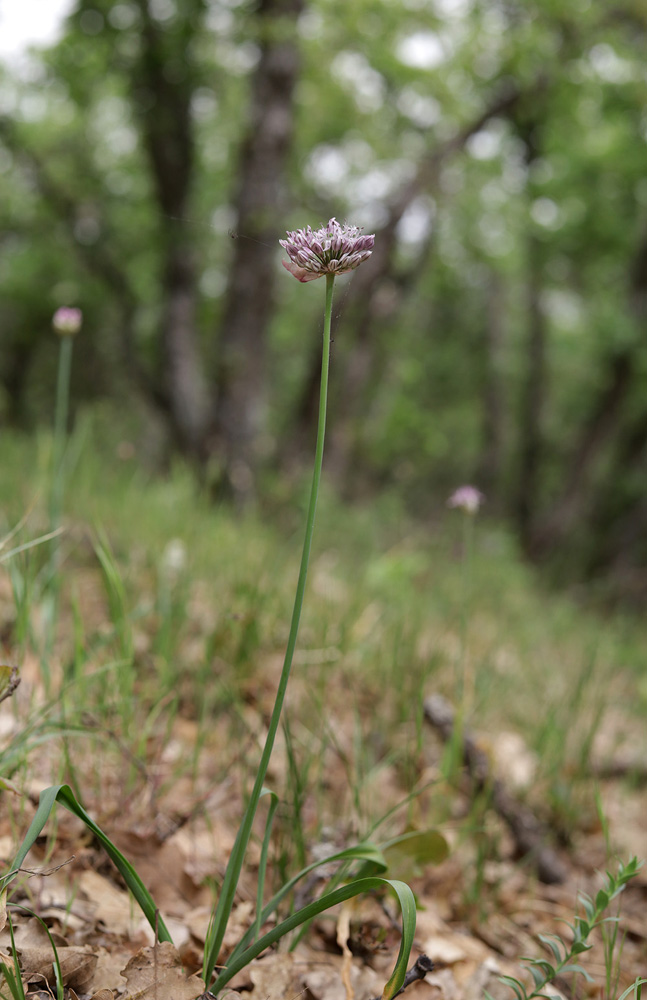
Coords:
pixel 528 832
pixel 418 970
pixel 11 684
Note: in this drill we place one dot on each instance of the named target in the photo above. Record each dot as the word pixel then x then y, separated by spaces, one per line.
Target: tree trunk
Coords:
pixel 488 473
pixel 576 498
pixel 167 127
pixel 241 383
pixel 532 401
pixel 534 386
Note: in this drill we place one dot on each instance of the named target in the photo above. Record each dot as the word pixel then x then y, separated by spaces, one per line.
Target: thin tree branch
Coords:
pixel 528 832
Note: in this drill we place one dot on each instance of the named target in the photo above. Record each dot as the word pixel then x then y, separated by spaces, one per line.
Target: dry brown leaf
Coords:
pixel 275 977
pixel 157 974
pixel 77 965
pixel 107 975
pixel 239 921
pixel 30 933
pixel 100 995
pixel 112 906
pixel 197 921
pixel 324 980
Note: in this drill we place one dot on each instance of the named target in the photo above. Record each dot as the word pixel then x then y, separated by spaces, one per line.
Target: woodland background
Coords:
pixel 152 159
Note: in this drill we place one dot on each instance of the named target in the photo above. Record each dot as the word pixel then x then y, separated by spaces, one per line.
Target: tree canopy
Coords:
pixel 154 156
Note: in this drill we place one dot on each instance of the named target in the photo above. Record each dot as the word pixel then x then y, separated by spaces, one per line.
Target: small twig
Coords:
pixel 528 832
pixel 12 684
pixel 47 871
pixel 422 965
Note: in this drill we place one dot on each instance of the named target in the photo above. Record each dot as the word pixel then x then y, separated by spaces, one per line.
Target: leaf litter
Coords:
pixel 175 816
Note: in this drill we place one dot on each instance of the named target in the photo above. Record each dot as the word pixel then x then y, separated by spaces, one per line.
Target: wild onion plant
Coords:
pixel 66 323
pixel 334 249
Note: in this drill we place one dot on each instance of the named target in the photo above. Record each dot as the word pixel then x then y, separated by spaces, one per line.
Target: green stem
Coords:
pixel 57 490
pixel 464 689
pixel 60 430
pixel 230 883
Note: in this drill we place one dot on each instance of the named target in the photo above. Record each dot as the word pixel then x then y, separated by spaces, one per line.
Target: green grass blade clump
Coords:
pixel 64 795
pixel 12 977
pixel 360 852
pixel 407 903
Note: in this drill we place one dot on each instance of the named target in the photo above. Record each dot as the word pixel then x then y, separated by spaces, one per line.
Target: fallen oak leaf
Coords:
pixel 99 995
pixel 77 965
pixel 112 906
pixel 156 974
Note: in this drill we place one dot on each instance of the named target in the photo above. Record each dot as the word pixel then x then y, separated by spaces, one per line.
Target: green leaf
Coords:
pixel 514 984
pixel 405 853
pixel 636 987
pixel 12 976
pixel 538 975
pixel 262 867
pixel 602 900
pixel 362 852
pixel 573 967
pixel 64 795
pixel 555 944
pixel 407 906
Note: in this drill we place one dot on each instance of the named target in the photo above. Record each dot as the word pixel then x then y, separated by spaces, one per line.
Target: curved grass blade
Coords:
pixel 64 795
pixel 635 988
pixel 407 906
pixel 58 972
pixel 12 976
pixel 360 852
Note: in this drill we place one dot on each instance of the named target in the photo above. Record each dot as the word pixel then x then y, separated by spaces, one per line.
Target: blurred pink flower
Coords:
pixel 67 321
pixel 333 249
pixel 466 498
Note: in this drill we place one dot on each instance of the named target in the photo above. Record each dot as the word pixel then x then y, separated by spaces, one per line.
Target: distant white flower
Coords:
pixel 333 249
pixel 174 556
pixel 466 498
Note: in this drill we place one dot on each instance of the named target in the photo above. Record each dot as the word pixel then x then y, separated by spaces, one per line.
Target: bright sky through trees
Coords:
pixel 29 22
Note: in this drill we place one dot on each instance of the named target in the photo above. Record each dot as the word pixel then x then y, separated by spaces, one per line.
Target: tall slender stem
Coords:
pixel 230 883
pixel 57 491
pixel 60 430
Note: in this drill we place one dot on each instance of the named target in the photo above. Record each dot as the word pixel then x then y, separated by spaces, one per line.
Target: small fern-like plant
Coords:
pixel 564 954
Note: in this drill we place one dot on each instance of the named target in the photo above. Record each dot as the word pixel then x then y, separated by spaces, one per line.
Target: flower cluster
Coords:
pixel 67 321
pixel 333 249
pixel 466 498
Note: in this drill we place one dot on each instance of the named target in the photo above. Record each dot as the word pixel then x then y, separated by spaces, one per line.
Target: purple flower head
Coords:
pixel 67 321
pixel 333 249
pixel 466 498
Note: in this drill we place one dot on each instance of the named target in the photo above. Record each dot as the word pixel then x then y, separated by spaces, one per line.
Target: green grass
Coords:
pixel 382 617
pixel 171 608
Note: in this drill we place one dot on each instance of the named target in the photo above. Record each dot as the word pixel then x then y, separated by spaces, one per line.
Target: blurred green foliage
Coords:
pixel 533 214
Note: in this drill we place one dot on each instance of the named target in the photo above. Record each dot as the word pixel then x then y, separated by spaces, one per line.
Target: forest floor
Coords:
pixel 151 699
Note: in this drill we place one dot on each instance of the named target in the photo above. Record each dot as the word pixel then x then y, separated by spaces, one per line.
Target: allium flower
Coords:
pixel 67 321
pixel 333 249
pixel 466 498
